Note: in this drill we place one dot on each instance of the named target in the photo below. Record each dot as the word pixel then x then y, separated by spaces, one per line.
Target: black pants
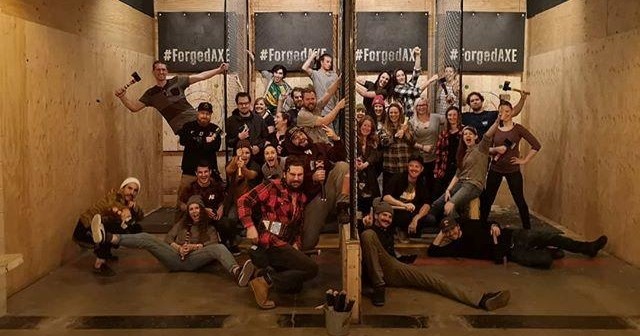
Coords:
pixel 529 247
pixel 514 181
pixel 82 236
pixel 402 219
pixel 287 267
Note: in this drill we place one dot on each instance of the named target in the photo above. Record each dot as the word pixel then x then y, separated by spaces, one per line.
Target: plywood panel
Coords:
pixel 394 6
pixel 67 138
pixel 587 177
pixel 495 5
pixel 295 6
pixel 188 6
pixel 622 16
pixel 97 20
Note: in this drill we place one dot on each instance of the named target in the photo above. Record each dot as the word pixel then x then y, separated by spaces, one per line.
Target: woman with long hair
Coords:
pixel 446 150
pixel 366 164
pixel 191 244
pixel 448 90
pixel 383 86
pixel 397 140
pixel 260 108
pixel 407 90
pixel 507 162
pixel 273 163
pixel 426 128
pixel 276 138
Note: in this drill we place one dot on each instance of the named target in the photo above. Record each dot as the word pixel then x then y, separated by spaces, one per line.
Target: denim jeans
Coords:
pixel 461 194
pixel 170 257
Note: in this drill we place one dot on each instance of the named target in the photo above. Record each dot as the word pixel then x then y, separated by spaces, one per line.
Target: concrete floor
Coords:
pixel 578 296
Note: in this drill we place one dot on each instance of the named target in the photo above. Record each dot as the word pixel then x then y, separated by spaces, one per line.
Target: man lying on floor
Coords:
pixel 191 245
pixel 385 271
pixel 534 248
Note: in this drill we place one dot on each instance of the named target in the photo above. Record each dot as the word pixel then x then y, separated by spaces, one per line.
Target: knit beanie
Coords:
pixel 130 180
pixel 381 206
pixel 378 100
pixel 197 199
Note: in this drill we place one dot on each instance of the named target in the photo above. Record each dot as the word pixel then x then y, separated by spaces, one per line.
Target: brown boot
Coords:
pixel 260 289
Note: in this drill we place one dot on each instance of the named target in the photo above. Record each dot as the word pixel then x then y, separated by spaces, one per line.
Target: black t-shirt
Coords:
pixel 398 186
pixel 196 148
pixel 171 102
pixel 480 121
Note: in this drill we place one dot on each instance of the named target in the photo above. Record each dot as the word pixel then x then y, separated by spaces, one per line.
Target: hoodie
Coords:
pixel 311 153
pixel 257 129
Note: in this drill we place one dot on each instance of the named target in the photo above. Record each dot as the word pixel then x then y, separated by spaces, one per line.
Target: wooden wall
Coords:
pixel 583 67
pixel 65 137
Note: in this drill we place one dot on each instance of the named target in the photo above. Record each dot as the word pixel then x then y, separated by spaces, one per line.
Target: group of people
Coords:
pixel 289 177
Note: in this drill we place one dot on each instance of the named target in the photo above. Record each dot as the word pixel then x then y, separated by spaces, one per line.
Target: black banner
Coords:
pixel 193 42
pixel 491 42
pixel 288 38
pixel 385 40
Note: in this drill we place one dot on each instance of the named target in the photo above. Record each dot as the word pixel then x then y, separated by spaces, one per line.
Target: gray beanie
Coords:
pixel 195 199
pixel 381 206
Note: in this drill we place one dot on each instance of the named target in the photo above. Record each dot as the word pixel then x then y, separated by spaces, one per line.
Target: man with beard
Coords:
pixel 243 124
pixel 408 193
pixel 168 96
pixel 309 117
pixel 384 270
pixel 475 239
pixel 296 97
pixel 480 119
pixel 119 213
pixel 277 236
pixel 326 181
pixel 201 140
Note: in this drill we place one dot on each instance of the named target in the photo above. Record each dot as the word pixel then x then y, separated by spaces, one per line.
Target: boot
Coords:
pixel 342 209
pixel 260 289
pixel 595 246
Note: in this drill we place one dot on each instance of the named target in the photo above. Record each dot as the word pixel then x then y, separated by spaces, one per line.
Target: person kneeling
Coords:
pixel 385 271
pixel 191 245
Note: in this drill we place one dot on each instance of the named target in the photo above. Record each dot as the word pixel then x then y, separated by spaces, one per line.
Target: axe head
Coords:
pixel 136 77
pixel 506 86
pixel 442 80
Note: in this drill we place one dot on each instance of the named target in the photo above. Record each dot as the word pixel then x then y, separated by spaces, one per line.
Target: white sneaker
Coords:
pixel 97 229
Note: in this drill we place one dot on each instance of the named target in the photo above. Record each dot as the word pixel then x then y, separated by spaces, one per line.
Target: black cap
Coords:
pixel 205 106
pixel 448 223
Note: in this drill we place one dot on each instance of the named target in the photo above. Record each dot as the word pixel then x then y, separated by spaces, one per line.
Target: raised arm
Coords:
pixel 331 116
pixel 523 97
pixel 209 73
pixel 132 105
pixel 331 90
pixel 361 90
pixel 306 67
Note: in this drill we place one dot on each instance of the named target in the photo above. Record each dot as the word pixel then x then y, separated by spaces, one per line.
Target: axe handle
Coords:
pixel 133 81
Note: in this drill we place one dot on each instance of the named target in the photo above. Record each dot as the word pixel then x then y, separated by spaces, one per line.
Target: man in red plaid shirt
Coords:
pixel 277 234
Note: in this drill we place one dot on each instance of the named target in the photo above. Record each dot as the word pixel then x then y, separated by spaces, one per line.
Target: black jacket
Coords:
pixel 257 129
pixel 196 148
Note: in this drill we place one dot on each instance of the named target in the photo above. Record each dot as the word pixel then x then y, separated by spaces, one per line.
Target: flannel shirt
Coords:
pixel 396 156
pixel 408 93
pixel 277 204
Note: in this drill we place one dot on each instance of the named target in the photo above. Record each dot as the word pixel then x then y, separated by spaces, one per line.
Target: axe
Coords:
pixel 442 82
pixel 135 78
pixel 507 87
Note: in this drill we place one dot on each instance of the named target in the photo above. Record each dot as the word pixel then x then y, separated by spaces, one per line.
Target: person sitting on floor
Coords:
pixel 469 238
pixel 386 271
pixel 191 244
pixel 119 212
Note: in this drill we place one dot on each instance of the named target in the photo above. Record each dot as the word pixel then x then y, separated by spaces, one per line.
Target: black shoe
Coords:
pixel 493 301
pixel 408 258
pixel 596 246
pixel 112 257
pixel 104 271
pixel 235 250
pixel 556 253
pixel 343 213
pixel 377 297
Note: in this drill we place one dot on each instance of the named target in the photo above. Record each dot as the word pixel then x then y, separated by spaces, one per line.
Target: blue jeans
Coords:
pixel 461 194
pixel 170 258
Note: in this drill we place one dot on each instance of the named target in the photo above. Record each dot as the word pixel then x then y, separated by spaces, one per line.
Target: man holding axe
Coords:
pixel 167 96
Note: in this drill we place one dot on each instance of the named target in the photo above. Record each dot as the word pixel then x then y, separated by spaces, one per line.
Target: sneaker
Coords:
pixel 104 271
pixel 97 229
pixel 260 289
pixel 596 246
pixel 495 300
pixel 377 297
pixel 235 250
pixel 245 274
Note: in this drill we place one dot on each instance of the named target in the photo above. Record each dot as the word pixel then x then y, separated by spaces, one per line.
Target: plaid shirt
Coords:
pixel 277 204
pixel 396 156
pixel 408 93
